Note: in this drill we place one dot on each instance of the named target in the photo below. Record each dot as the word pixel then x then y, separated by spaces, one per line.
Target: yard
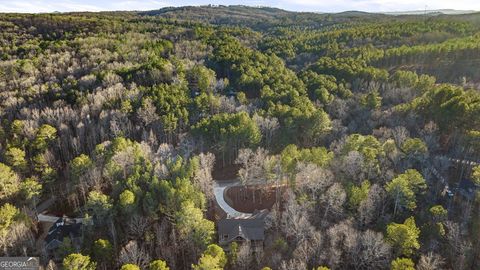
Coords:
pixel 251 198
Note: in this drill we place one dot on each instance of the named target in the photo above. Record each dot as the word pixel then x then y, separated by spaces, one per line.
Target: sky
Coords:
pixel 36 6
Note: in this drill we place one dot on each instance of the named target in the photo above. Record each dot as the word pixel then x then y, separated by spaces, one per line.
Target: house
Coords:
pixel 467 188
pixel 251 229
pixel 62 228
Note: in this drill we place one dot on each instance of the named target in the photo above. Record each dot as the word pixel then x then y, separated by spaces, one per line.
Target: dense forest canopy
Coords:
pixel 364 127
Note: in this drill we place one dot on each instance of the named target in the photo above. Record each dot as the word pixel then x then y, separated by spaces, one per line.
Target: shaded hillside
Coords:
pixel 301 38
pixel 260 18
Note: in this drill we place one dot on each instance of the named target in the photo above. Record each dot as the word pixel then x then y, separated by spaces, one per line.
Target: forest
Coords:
pixel 134 140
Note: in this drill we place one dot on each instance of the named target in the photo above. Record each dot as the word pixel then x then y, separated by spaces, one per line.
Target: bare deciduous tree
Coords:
pixel 353 166
pixel 459 245
pixel 400 134
pixel 332 201
pixel 353 249
pixel 294 223
pixel 293 265
pixel 137 226
pixel 19 240
pixel 203 177
pixel 244 256
pixel 252 171
pixel 125 159
pixel 134 254
pixel 268 126
pixel 372 207
pixel 372 252
pixel 310 248
pixel 147 113
pixel 430 261
pixel 312 179
pixel 253 167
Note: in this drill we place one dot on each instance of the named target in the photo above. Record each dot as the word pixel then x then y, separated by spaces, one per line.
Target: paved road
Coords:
pixel 219 191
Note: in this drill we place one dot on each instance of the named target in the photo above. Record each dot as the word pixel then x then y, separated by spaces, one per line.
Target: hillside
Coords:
pixel 235 137
pixel 260 18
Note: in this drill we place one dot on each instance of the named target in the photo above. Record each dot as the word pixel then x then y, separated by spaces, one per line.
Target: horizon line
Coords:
pixel 399 12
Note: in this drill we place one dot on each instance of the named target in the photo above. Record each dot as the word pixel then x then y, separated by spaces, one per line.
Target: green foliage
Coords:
pixel 126 198
pixel 402 264
pixel 476 175
pixel 126 106
pixel 77 261
pixel 371 100
pixel 8 215
pixel 171 101
pixel 80 165
pixel 242 98
pixel 193 226
pixel 228 131
pixel 440 229
pixel 414 147
pixel 402 78
pixel 41 166
pixel 280 244
pixel 17 127
pixel 438 212
pixel 324 87
pixel 158 265
pixel 435 55
pixel 102 251
pixel 127 162
pixel 404 188
pixel 17 131
pixel 15 157
pixel 130 266
pixel 237 126
pixel 410 79
pixel 283 93
pixel 291 155
pixel 368 146
pixel 233 253
pixel 172 195
pixel 439 215
pixel 99 205
pixel 206 103
pixel 203 78
pixel 159 47
pixel 213 258
pixel 127 202
pixel 449 106
pixel 349 69
pixel 45 135
pixel 404 237
pixel 322 268
pixel 168 76
pixel 356 194
pixel 8 182
pixel 302 123
pixel 30 189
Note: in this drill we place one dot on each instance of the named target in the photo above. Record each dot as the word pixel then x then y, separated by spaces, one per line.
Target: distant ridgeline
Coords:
pixel 440 43
pixel 359 132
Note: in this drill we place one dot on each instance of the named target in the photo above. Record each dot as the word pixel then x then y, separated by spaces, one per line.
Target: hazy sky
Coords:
pixel 296 5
